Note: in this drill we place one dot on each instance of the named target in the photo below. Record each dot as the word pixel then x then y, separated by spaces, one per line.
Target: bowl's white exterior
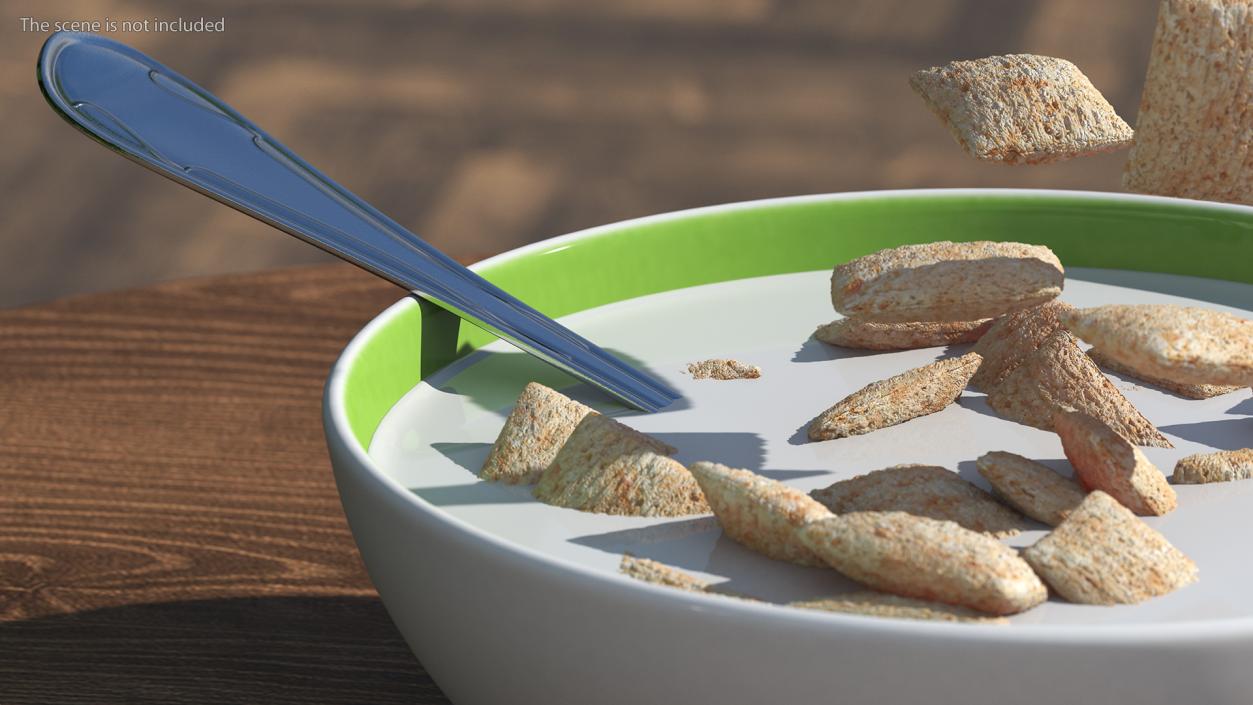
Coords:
pixel 495 623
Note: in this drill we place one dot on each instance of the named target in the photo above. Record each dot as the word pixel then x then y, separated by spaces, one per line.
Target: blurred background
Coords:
pixel 486 124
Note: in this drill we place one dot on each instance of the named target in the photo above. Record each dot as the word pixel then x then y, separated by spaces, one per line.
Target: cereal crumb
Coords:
pixel 722 369
pixel 651 571
pixel 1223 466
pixel 870 603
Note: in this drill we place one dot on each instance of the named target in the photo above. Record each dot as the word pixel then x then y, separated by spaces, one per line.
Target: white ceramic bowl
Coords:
pixel 495 621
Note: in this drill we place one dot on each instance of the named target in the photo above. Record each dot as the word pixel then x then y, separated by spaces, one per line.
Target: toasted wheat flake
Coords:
pixel 946 281
pixel 609 468
pixel 926 559
pixel 881 604
pixel 541 421
pixel 1013 338
pixel 917 392
pixel 922 490
pixel 651 571
pixel 1193 133
pixel 1188 391
pixel 1103 555
pixel 1104 460
pixel 1056 374
pixel 1022 108
pixel 868 335
pixel 758 512
pixel 723 370
pixel 1030 487
pixel 1180 343
pixel 1223 466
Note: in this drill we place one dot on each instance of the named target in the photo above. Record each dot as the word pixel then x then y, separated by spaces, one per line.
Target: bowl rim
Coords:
pixel 339 432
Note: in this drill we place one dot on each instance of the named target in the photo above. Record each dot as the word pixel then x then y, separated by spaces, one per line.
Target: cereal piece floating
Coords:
pixel 918 392
pixel 881 604
pixel 608 468
pixel 925 491
pixel 1189 391
pixel 1104 460
pixel 926 559
pixel 1179 343
pixel 540 423
pixel 1192 131
pixel 946 281
pixel 1030 487
pixel 1012 339
pixel 1223 466
pixel 1059 374
pixel 723 370
pixel 868 335
pixel 1021 109
pixel 651 571
pixel 1103 555
pixel 758 512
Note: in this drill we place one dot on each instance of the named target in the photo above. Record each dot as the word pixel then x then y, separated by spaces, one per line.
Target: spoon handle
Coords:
pixel 156 117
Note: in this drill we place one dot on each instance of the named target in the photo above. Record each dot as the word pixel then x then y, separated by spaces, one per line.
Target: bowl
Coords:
pixel 496 620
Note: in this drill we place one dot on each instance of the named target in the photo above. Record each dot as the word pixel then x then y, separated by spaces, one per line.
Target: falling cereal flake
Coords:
pixel 1022 109
pixel 1192 131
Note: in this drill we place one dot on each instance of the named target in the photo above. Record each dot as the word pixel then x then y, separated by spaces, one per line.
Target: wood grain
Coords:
pixel 169 526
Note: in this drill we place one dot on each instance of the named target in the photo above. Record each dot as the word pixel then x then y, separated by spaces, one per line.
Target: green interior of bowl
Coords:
pixel 634 259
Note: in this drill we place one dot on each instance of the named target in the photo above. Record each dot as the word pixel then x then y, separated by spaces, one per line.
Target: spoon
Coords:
pixel 159 119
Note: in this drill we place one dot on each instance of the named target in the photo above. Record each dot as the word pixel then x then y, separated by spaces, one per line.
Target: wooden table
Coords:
pixel 169 526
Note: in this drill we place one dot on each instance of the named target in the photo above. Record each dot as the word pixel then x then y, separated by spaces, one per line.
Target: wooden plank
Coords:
pixel 169 527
